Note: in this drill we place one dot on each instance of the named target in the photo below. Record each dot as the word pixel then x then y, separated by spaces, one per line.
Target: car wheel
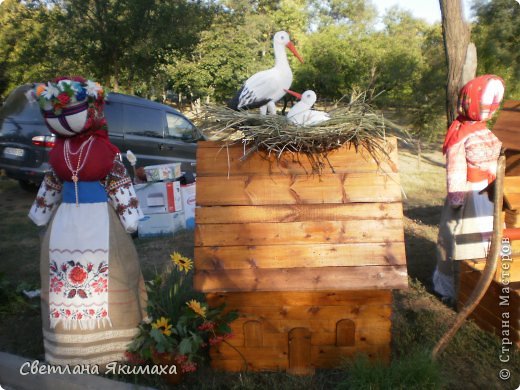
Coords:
pixel 28 186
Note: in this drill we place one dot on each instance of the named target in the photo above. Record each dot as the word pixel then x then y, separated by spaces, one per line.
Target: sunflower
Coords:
pixel 182 262
pixel 197 308
pixel 163 325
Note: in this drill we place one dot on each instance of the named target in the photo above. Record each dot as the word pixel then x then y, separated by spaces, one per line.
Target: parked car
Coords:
pixel 154 132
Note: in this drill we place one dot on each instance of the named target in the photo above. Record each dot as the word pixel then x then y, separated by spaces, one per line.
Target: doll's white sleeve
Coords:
pixel 47 200
pixel 122 197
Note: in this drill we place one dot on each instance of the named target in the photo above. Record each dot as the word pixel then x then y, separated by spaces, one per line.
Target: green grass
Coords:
pixel 470 360
pixel 415 370
pixel 419 319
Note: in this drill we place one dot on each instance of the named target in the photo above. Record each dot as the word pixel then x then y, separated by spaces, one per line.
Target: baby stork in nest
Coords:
pixel 301 114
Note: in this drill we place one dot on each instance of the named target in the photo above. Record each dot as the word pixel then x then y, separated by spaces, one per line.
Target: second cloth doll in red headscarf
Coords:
pixel 472 152
pixel 92 290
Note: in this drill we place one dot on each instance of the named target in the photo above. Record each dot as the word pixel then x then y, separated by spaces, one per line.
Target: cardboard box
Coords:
pixel 188 204
pixel 158 198
pixel 156 225
pixel 163 172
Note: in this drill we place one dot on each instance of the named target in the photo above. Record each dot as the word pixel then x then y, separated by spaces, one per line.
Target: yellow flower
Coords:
pixel 197 308
pixel 163 325
pixel 183 263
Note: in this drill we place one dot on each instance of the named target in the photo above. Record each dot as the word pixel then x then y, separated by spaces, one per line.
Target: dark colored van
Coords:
pixel 154 132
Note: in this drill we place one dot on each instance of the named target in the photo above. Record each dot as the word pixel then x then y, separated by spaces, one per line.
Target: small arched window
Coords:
pixel 345 333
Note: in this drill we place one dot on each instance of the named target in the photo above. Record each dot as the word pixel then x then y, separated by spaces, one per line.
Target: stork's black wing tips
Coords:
pixel 248 101
pixel 233 102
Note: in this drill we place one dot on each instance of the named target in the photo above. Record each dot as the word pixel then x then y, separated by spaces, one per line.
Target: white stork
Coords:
pixel 301 113
pixel 265 88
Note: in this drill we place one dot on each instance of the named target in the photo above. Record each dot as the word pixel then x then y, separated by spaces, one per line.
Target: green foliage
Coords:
pixel 237 44
pixel 124 42
pixel 429 92
pixel 11 299
pixel 414 371
pixel 217 66
pixel 496 34
pixel 28 36
pixel 335 63
pixel 400 62
pixel 119 43
pixel 358 14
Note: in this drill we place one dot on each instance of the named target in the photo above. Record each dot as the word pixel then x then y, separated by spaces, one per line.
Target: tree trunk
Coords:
pixel 470 65
pixel 456 40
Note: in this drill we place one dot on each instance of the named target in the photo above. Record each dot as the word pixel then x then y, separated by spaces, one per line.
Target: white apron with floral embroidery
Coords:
pixel 78 250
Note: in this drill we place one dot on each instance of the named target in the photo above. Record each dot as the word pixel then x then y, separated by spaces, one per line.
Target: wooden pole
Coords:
pixel 489 269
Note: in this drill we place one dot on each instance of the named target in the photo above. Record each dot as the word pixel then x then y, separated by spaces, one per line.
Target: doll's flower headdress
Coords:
pixel 70 105
pixel 64 92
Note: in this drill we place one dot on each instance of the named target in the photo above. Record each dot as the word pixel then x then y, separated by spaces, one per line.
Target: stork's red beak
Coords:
pixel 292 48
pixel 295 94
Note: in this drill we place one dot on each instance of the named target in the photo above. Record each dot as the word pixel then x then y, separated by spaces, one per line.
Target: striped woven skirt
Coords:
pixel 464 234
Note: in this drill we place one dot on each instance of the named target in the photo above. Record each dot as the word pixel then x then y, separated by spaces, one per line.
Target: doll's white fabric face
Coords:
pixel 70 122
pixel 491 98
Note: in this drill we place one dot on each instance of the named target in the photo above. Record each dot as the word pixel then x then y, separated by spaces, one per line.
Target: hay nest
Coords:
pixel 356 124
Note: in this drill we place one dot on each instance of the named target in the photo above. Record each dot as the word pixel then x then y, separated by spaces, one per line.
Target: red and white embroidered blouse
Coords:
pixel 478 151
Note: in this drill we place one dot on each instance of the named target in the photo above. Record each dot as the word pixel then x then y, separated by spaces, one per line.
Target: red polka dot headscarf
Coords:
pixel 478 100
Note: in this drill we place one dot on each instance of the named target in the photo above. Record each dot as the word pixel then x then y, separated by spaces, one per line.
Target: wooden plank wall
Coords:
pixel 268 224
pixel 512 217
pixel 507 125
pixel 265 332
pixel 489 314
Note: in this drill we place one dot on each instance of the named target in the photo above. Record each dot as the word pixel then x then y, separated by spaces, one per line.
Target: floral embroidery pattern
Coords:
pixel 78 314
pixel 56 285
pixel 73 279
pixel 41 203
pixel 122 196
pixel 117 178
pixel 122 209
pixel 479 150
pixel 100 285
pixel 52 182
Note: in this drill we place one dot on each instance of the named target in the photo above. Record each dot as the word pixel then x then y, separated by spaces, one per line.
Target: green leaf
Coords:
pixel 158 336
pixel 160 348
pixel 197 340
pixel 223 328
pixel 185 347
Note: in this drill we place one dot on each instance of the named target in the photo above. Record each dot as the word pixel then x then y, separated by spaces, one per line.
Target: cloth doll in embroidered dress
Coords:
pixel 471 162
pixel 92 290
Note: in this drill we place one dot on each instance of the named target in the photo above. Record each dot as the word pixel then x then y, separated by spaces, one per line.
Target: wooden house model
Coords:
pixel 309 260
